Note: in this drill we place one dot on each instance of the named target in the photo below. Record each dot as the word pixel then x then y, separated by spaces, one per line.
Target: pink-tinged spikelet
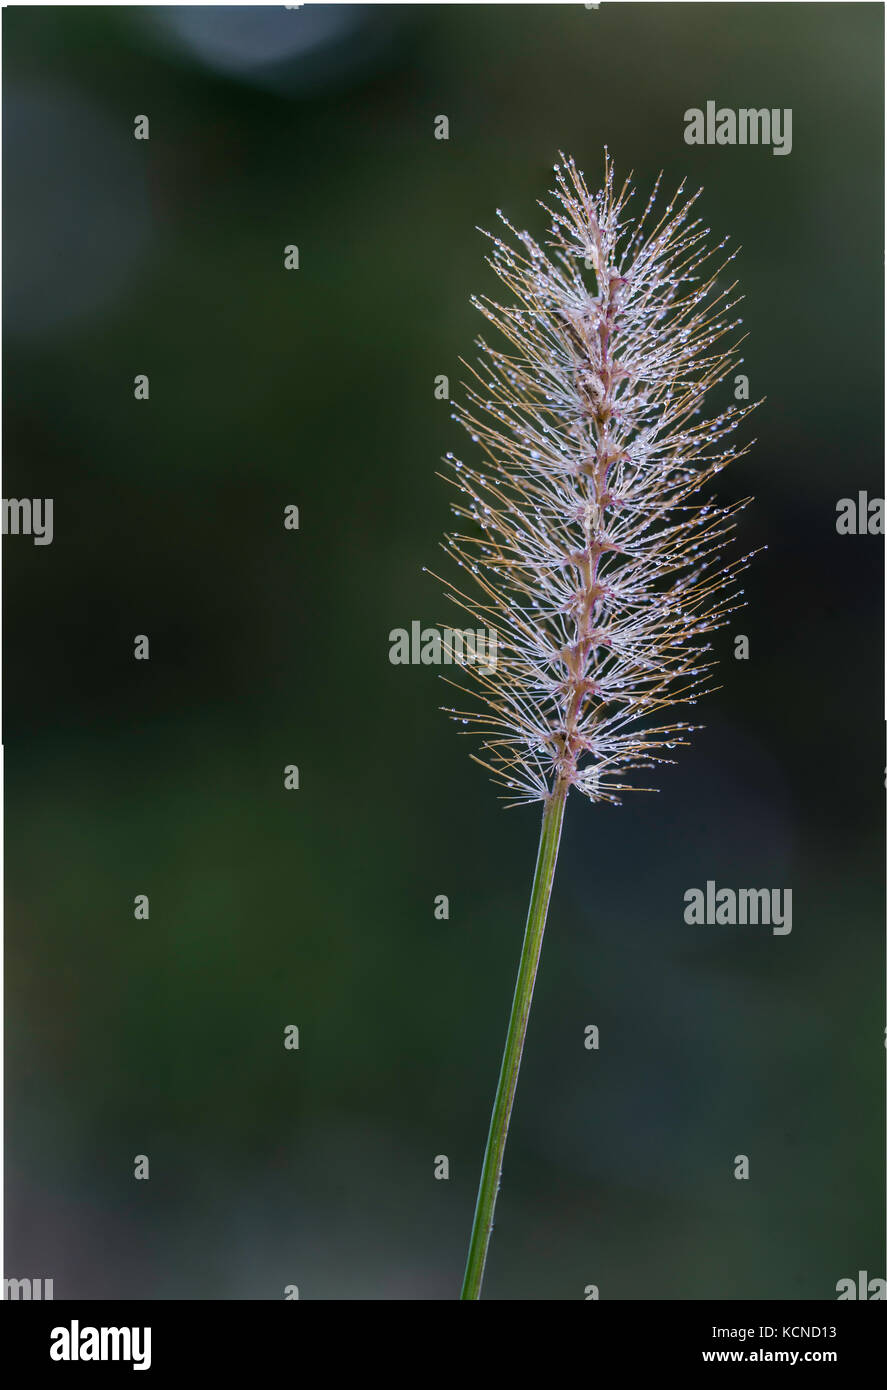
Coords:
pixel 595 558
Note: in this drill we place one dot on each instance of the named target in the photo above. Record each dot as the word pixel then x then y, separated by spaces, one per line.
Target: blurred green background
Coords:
pixel 315 127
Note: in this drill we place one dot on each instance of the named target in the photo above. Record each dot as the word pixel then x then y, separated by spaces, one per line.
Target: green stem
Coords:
pixel 491 1174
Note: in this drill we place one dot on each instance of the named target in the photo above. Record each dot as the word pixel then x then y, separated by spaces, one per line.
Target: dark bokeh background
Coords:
pixel 315 907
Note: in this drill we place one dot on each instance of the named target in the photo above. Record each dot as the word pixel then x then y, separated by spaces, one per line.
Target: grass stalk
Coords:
pixel 491 1173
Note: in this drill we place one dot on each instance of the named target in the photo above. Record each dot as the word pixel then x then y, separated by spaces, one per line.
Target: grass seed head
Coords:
pixel 590 543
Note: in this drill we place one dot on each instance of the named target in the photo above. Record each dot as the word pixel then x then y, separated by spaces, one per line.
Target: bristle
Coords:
pixel 590 550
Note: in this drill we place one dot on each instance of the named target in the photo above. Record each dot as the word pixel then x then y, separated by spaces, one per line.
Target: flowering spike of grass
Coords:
pixel 591 546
